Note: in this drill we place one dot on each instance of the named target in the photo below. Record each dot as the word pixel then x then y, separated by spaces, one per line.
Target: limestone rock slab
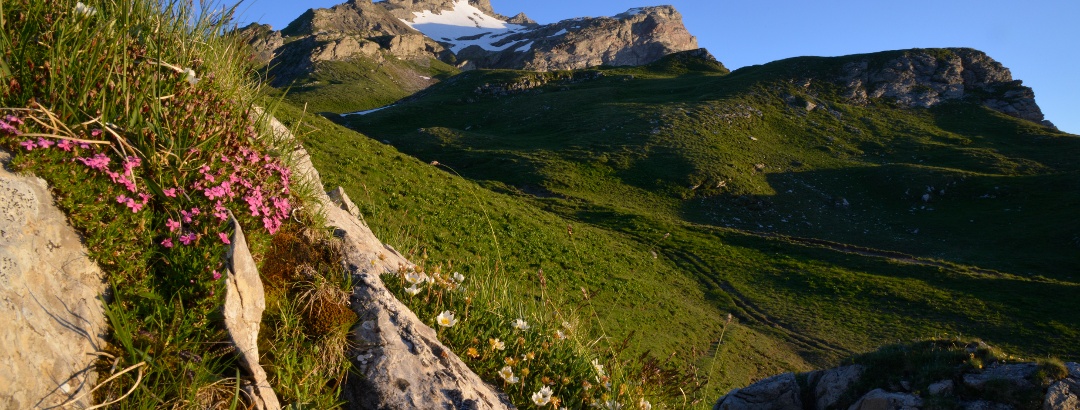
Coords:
pixel 50 300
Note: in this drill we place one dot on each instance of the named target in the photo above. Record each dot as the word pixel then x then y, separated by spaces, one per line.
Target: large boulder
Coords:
pixel 50 301
pixel 780 392
pixel 879 399
pixel 830 385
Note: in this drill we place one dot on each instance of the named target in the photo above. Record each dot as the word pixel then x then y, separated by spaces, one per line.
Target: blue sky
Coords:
pixel 1038 40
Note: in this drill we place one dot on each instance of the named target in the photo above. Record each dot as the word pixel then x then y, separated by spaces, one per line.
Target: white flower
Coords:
pixel 458 277
pixel 542 397
pixel 415 277
pixel 84 9
pixel 521 324
pixel 446 319
pixel 559 335
pixel 599 367
pixel 497 344
pixel 412 290
pixel 191 79
pixel 508 375
pixel 644 404
pixel 613 405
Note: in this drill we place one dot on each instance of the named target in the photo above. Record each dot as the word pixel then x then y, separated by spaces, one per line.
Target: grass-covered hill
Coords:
pixel 707 192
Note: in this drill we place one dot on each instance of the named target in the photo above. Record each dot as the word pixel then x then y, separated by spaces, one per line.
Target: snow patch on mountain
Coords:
pixel 464 26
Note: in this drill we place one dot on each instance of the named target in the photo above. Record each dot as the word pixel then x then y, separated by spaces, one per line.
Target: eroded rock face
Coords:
pixel 399 362
pixel 50 304
pixel 927 77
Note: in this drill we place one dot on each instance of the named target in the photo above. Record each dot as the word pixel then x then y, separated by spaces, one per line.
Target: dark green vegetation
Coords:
pixel 810 226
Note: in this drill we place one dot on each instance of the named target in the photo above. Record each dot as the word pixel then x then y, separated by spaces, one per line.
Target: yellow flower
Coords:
pixel 497 344
pixel 472 352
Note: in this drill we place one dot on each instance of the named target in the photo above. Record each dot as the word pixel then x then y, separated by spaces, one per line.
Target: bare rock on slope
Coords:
pixel 399 362
pixel 927 77
pixel 780 392
pixel 245 302
pixel 49 300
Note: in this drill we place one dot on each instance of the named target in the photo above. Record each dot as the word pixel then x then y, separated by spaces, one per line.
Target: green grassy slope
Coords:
pixel 623 150
pixel 364 83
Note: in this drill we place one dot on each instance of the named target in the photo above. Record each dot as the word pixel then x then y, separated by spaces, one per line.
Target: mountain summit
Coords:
pixel 468 34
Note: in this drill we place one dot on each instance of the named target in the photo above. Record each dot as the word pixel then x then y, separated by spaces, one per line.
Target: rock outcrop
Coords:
pixel 779 392
pixel 399 363
pixel 245 302
pixel 836 389
pixel 50 301
pixel 927 77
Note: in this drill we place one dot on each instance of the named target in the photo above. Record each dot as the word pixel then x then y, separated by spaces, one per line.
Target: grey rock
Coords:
pixel 1063 395
pixel 943 387
pixel 341 199
pixel 882 400
pixel 780 392
pixel 1074 369
pixel 829 385
pixel 1014 373
pixel 925 78
pixel 244 305
pixel 398 361
pixel 50 300
pixel 985 405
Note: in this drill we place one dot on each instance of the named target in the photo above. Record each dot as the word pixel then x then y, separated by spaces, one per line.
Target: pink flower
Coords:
pixel 217 275
pixel 224 238
pixel 28 145
pixel 167 243
pixel 188 238
pixel 13 119
pixel 8 128
pixel 84 145
pixel 66 145
pixel 99 162
pixel 95 133
pixel 172 225
pixel 185 216
pixel 44 143
pixel 122 199
pixel 171 192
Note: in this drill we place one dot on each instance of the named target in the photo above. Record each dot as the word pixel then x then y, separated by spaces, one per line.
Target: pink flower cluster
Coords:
pixel 242 177
pixel 7 124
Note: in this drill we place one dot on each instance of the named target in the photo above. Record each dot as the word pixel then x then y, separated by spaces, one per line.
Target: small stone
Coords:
pixel 940 388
